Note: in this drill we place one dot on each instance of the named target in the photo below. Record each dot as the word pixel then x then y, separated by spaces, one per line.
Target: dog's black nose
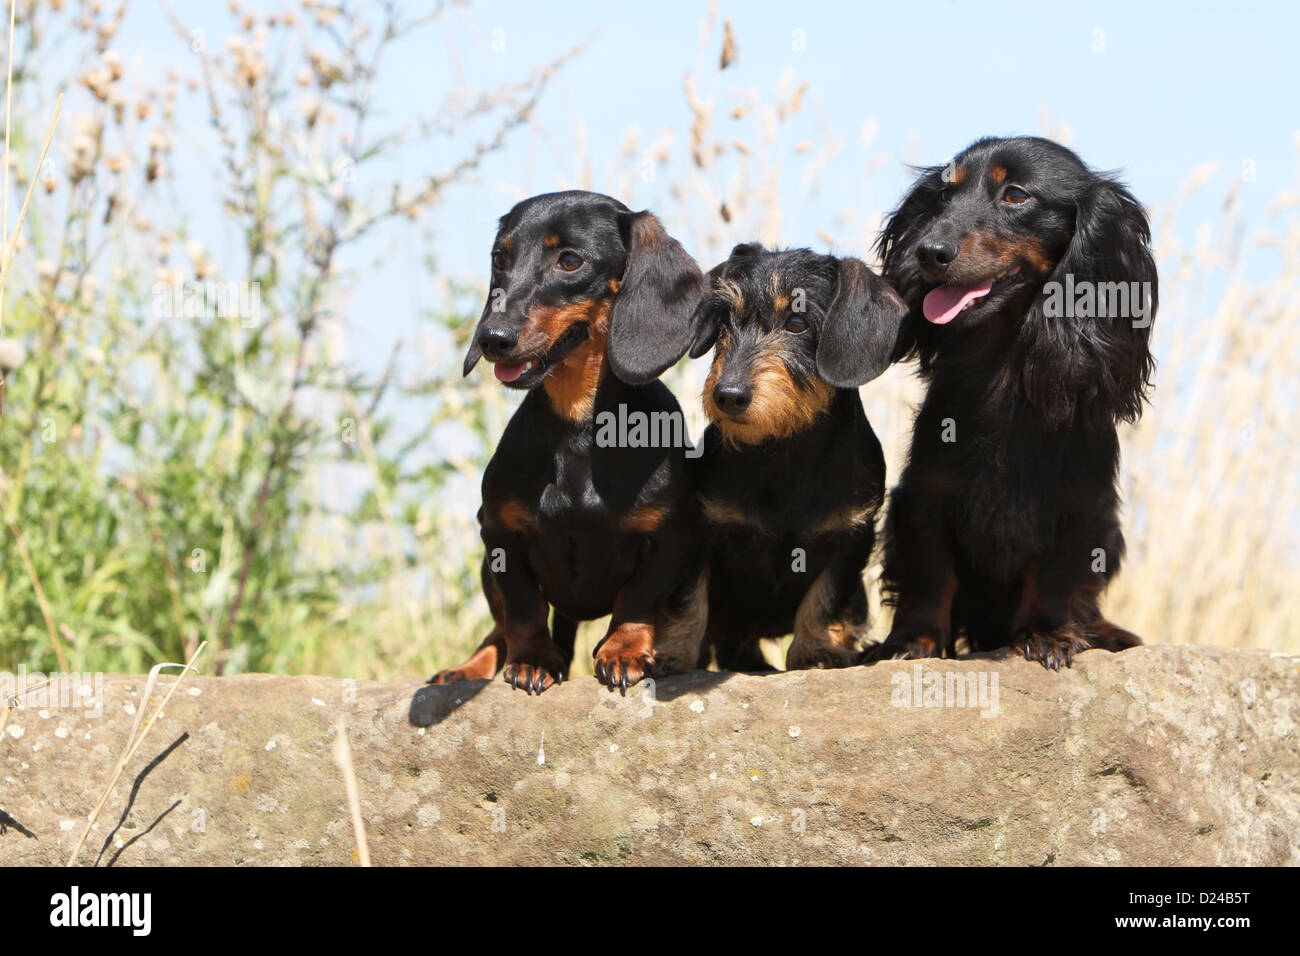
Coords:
pixel 937 253
pixel 732 399
pixel 496 344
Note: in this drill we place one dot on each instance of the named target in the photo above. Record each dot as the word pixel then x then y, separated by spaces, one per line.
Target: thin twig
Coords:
pixel 12 246
pixel 4 233
pixel 9 101
pixel 343 756
pixel 133 741
pixel 40 597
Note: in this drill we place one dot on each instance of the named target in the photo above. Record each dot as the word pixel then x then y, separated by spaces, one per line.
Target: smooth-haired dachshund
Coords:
pixel 791 476
pixel 1031 288
pixel 589 303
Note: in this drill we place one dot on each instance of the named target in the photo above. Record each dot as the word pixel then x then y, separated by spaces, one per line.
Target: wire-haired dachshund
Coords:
pixel 589 304
pixel 791 474
pixel 1031 287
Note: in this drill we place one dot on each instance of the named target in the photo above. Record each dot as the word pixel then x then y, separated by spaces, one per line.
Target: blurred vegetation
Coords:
pixel 164 455
pixel 170 478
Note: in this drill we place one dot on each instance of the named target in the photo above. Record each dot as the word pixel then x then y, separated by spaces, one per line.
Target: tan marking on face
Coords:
pixel 546 324
pixel 998 173
pixel 614 285
pixel 959 176
pixel 551 241
pixel 1031 251
pixel 732 291
pixel 780 304
pixel 572 384
pixel 982 254
pixel 780 407
pixel 509 242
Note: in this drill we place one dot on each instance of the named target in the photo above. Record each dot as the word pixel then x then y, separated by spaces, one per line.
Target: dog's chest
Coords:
pixel 780 508
pixel 569 493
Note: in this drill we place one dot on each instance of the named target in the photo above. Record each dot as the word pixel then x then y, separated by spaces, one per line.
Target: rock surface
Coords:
pixel 1160 755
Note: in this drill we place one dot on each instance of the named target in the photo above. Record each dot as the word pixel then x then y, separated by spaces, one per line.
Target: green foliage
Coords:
pixel 175 475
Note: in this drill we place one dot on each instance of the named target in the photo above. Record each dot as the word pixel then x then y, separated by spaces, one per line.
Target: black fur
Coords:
pixel 570 523
pixel 1005 525
pixel 790 484
pixel 650 327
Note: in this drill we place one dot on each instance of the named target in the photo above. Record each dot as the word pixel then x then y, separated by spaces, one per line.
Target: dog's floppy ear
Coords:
pixel 890 244
pixel 894 248
pixel 650 325
pixel 858 337
pixel 1101 360
pixel 496 300
pixel 475 353
pixel 706 322
pixel 742 250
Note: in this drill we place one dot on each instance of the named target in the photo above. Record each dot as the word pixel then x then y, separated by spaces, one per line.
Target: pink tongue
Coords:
pixel 943 304
pixel 508 373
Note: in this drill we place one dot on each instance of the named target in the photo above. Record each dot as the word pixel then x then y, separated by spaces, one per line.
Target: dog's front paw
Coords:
pixel 454 674
pixel 1111 637
pixel 535 672
pixel 665 665
pixel 1053 649
pixel 902 648
pixel 482 665
pixel 625 656
pixel 822 656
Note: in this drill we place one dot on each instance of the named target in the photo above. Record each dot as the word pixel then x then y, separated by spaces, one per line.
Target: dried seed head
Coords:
pixel 11 355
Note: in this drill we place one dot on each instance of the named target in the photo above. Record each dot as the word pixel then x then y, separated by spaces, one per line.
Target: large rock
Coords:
pixel 1159 755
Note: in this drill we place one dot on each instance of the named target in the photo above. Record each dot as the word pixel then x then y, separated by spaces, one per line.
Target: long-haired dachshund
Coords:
pixel 1031 288
pixel 791 476
pixel 589 304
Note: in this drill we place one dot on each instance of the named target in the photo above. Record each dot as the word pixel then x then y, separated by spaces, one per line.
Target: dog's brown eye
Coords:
pixel 795 324
pixel 945 194
pixel 570 261
pixel 499 260
pixel 1015 195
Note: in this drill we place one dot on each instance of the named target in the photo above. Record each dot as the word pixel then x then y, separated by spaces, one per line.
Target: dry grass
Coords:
pixel 343 757
pixel 134 739
pixel 1212 472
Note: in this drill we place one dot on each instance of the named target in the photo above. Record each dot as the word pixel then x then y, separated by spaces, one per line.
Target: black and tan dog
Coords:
pixel 589 304
pixel 791 474
pixel 1031 288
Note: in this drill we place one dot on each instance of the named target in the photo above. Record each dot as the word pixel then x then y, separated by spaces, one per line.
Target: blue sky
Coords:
pixel 1172 86
pixel 1155 89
